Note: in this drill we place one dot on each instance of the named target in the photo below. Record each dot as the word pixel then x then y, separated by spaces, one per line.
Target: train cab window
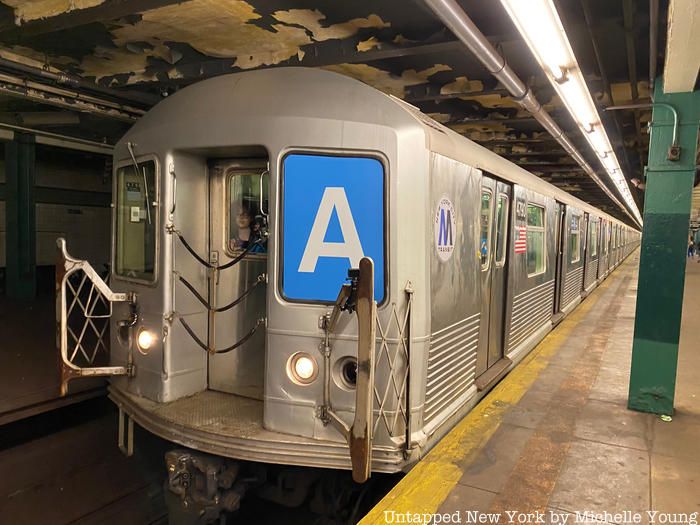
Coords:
pixel 247 211
pixel 501 231
pixel 136 223
pixel 485 238
pixel 575 239
pixel 594 239
pixel 535 240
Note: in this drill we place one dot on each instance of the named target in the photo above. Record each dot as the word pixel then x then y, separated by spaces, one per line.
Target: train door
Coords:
pixel 586 238
pixel 601 251
pixel 493 252
pixel 560 233
pixel 238 203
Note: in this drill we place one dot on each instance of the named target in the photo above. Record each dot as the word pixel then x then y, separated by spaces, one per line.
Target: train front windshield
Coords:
pixel 136 222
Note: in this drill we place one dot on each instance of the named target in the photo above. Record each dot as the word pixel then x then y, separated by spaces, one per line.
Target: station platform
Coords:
pixel 555 437
pixel 28 355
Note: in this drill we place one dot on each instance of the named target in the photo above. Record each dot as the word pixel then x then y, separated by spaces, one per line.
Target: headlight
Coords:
pixel 302 368
pixel 145 340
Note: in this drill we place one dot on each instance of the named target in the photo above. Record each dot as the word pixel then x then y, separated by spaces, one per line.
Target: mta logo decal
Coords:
pixel 333 215
pixel 445 228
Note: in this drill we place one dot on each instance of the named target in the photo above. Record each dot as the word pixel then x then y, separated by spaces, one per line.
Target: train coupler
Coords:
pixel 201 488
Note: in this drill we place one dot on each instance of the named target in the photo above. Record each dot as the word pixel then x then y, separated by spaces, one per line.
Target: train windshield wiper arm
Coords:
pixel 130 147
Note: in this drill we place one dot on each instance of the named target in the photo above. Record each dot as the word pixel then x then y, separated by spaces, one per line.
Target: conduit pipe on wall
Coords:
pixel 457 21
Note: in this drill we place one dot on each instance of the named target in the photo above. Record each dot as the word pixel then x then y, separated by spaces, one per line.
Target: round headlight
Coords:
pixel 145 340
pixel 302 368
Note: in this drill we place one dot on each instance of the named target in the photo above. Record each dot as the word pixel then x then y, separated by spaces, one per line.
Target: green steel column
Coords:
pixel 669 185
pixel 20 215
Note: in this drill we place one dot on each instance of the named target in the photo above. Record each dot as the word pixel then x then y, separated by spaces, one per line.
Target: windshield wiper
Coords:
pixel 130 147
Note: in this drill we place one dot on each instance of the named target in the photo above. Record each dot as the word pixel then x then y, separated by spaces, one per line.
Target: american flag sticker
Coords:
pixel 521 240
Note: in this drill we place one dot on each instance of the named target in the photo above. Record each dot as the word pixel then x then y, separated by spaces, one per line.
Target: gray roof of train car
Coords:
pixel 194 115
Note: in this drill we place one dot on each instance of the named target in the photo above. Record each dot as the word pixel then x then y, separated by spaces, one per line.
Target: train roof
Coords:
pixel 314 93
pixel 447 142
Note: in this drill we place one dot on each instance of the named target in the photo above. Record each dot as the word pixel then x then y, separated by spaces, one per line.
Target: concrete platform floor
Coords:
pixel 555 435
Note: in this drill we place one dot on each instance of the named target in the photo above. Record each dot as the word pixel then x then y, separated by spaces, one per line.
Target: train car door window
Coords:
pixel 575 239
pixel 485 238
pixel 535 240
pixel 594 239
pixel 501 230
pixel 246 211
pixel 606 239
pixel 136 223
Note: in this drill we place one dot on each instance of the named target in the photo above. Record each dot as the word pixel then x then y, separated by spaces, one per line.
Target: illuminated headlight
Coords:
pixel 302 368
pixel 145 340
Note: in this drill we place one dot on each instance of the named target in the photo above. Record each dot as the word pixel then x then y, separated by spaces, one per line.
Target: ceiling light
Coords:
pixel 540 26
pixel 599 141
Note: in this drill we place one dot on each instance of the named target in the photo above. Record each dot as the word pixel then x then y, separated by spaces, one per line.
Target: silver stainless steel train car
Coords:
pixel 240 205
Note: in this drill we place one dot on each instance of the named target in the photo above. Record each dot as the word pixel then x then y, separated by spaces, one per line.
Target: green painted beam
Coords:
pixel 669 185
pixel 20 217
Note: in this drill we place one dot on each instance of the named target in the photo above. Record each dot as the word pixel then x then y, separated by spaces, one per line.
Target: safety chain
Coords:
pixel 170 228
pixel 261 279
pixel 204 347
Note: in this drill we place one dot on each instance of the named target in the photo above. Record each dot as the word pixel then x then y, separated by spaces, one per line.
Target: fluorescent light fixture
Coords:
pixel 541 27
pixel 599 140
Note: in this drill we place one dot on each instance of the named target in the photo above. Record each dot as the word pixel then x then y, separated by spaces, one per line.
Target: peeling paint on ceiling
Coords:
pixel 462 85
pixel 26 10
pixel 442 118
pixel 106 62
pixel 497 101
pixel 216 29
pixel 491 128
pixel 367 45
pixel 221 30
pixel 311 20
pixel 385 81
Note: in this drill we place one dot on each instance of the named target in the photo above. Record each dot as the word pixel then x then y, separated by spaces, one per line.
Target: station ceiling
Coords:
pixel 88 68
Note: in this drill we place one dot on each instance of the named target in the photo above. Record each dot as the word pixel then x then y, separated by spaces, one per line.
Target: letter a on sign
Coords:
pixel 332 216
pixel 350 248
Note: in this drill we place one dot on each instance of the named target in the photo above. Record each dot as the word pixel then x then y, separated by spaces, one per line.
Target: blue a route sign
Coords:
pixel 333 215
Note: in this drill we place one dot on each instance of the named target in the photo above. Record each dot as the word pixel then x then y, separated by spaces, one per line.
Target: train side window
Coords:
pixel 535 240
pixel 137 221
pixel 594 239
pixel 485 237
pixel 501 231
pixel 575 239
pixel 604 236
pixel 245 219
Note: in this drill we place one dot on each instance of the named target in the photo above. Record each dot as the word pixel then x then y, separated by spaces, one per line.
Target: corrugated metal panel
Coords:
pixel 592 272
pixel 531 309
pixel 451 364
pixel 572 286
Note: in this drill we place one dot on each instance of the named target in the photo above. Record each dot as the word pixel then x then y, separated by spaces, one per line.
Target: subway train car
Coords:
pixel 307 272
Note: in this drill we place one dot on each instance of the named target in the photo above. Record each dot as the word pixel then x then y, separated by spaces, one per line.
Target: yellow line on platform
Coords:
pixel 429 483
